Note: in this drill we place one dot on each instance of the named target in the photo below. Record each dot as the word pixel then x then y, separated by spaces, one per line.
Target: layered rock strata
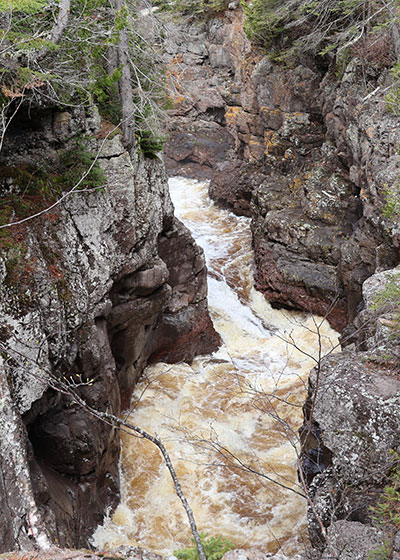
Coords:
pixel 311 154
pixel 91 291
pixel 308 152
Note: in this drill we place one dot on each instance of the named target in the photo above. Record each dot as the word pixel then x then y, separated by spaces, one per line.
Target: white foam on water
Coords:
pixel 221 407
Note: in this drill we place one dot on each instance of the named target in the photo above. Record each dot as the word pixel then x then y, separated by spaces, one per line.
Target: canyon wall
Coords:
pixel 109 280
pixel 310 152
pixel 307 151
pixel 91 291
pixel 351 432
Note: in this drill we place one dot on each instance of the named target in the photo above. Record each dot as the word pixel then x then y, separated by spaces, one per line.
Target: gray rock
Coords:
pixel 357 411
pixel 301 128
pixel 84 298
pixel 255 554
pixel 353 407
pixel 351 541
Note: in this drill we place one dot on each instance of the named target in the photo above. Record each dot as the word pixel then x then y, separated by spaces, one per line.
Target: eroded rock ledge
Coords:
pixel 90 292
pixel 310 154
pixel 306 151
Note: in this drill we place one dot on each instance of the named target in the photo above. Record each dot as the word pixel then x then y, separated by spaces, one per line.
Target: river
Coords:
pixel 237 409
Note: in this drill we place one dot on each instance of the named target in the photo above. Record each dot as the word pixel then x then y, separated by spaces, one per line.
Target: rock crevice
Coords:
pixel 90 293
pixel 305 151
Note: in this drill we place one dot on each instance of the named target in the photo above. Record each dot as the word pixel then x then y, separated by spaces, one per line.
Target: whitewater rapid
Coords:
pixel 239 406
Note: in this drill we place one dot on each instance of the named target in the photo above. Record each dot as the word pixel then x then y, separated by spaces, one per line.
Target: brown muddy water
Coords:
pixel 238 407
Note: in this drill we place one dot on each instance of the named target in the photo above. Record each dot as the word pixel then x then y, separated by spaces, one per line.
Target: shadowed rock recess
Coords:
pixel 108 280
pixel 305 151
pixel 309 150
pixel 91 291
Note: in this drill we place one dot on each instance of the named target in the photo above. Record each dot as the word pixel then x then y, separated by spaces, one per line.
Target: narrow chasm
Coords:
pixel 225 415
pixel 199 256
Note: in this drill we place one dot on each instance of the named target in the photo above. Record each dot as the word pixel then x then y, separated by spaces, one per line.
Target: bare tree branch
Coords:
pixel 68 193
pixel 69 389
pixel 62 21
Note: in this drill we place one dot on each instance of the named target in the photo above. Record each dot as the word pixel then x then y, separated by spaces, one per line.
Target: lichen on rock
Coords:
pixel 86 302
pixel 308 150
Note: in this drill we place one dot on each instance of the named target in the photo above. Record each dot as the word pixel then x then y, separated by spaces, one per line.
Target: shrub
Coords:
pixel 392 99
pixel 389 298
pixel 214 548
pixel 27 189
pixel 150 143
pixel 264 22
pixel 318 27
pixel 202 8
pixel 386 513
pixel 74 163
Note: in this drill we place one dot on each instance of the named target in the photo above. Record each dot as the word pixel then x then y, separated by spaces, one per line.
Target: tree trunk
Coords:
pixel 62 21
pixel 58 28
pixel 125 83
pixel 394 15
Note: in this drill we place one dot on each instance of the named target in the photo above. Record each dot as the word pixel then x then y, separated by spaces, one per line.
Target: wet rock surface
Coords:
pixel 306 151
pixel 109 280
pixel 310 153
pixel 90 292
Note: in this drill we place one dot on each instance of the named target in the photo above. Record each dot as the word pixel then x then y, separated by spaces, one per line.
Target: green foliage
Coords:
pixel 88 6
pixel 203 8
pixel 392 99
pixel 214 548
pixel 264 22
pixel 28 189
pixel 15 257
pixel 105 93
pixel 150 143
pixel 23 190
pixel 27 6
pixel 77 69
pixel 388 302
pixel 105 84
pixel 319 27
pixel 386 513
pixel 391 208
pixel 121 21
pixel 149 138
pixel 383 552
pixel 342 61
pixel 389 296
pixel 24 43
pixel 74 164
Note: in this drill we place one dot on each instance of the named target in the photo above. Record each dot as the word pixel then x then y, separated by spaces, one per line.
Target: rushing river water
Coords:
pixel 239 406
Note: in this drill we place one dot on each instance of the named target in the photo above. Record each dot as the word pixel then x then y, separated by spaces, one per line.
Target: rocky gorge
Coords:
pixel 304 151
pixel 109 280
pixel 91 291
pixel 310 152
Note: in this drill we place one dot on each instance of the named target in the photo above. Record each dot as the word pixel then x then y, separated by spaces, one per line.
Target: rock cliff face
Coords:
pixel 352 429
pixel 311 154
pixel 305 151
pixel 91 291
